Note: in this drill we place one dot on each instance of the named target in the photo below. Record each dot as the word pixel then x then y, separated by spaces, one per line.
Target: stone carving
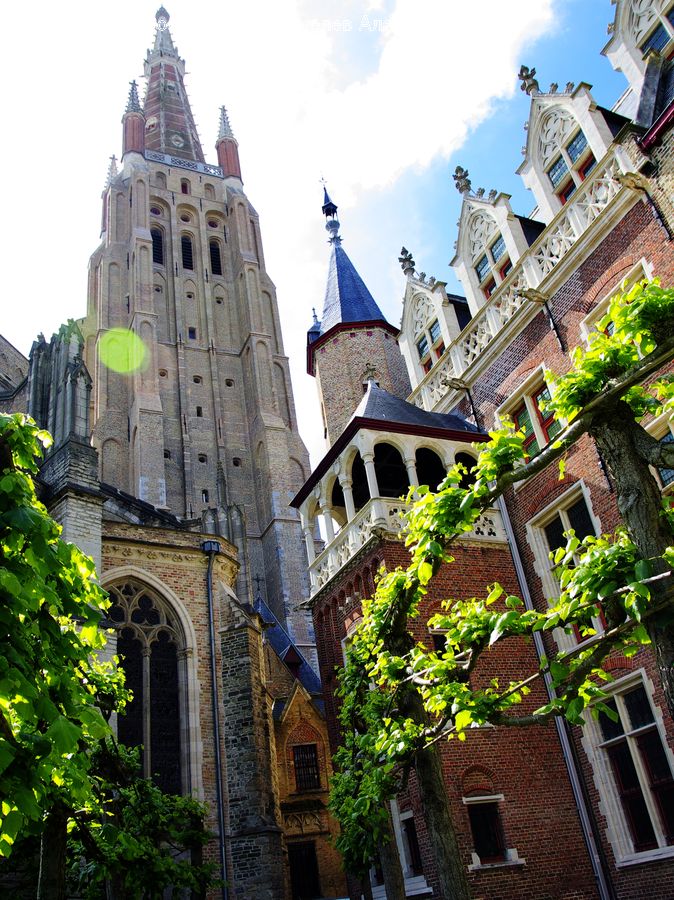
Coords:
pixel 553 87
pixel 480 228
pixel 423 312
pixel 570 85
pixel 461 180
pixel 556 245
pixel 406 261
pixel 556 125
pixel 641 15
pixel 528 78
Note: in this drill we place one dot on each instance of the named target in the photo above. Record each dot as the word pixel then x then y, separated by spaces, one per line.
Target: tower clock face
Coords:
pixel 178 141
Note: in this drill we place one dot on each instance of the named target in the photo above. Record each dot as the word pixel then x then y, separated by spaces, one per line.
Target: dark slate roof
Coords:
pixel 281 642
pixel 347 299
pixel 461 309
pixel 613 119
pixel 532 228
pixel 382 406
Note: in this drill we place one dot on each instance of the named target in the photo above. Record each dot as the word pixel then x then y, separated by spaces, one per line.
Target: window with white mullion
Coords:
pixel 640 769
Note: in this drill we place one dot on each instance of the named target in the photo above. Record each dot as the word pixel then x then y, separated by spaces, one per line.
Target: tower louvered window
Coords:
pixel 157 246
pixel 187 252
pixel 148 644
pixel 305 757
pixel 216 258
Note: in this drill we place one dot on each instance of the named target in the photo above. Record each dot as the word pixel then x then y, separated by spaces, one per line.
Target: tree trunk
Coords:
pixel 640 504
pixel 394 879
pixel 52 877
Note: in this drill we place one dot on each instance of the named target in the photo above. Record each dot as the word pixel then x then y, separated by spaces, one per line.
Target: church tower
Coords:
pixel 353 343
pixel 192 409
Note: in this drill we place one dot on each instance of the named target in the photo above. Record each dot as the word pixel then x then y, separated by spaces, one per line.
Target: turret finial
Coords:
pixel 133 103
pixel 528 78
pixel 406 261
pixel 330 212
pixel 162 18
pixel 225 129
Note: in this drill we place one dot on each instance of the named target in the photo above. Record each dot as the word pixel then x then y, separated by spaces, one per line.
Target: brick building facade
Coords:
pixel 582 812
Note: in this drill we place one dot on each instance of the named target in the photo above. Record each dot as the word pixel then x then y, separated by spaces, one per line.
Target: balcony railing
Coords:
pixel 383 516
pixel 531 271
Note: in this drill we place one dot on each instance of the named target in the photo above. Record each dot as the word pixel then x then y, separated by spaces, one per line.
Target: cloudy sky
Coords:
pixel 383 98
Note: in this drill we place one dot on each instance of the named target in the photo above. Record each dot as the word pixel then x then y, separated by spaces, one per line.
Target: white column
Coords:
pixel 347 490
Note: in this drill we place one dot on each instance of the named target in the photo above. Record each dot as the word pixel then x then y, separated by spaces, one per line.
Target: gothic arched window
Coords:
pixel 149 644
pixel 157 246
pixel 216 257
pixel 187 251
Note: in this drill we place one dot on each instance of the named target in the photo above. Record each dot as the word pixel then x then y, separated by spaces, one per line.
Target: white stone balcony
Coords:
pixel 537 272
pixel 383 517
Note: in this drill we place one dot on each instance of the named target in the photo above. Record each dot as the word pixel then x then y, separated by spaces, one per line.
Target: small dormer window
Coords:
pixel 498 248
pixel 430 346
pixel 570 168
pixel 661 35
pixel 482 268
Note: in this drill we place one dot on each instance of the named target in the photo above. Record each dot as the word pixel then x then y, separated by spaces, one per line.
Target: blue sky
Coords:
pixel 384 109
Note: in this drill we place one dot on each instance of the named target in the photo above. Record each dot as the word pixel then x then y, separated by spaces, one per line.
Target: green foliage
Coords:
pixel 134 836
pixel 51 680
pixel 602 576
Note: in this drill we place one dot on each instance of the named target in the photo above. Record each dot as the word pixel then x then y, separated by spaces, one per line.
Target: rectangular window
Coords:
pixel 523 422
pixel 411 846
pixel 557 171
pixel 587 167
pixel 549 425
pixel 640 768
pixel 498 248
pixel 505 268
pixel 576 516
pixel 192 333
pixel 489 288
pixel 434 331
pixel 567 191
pixel 186 252
pixel 657 40
pixel 305 759
pixel 666 475
pixel 422 346
pixel 576 146
pixel 482 268
pixel 487 831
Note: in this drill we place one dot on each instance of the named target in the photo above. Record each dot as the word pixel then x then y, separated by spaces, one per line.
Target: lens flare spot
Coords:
pixel 123 351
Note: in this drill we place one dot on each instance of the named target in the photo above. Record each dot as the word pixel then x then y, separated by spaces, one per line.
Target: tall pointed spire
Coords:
pixel 225 129
pixel 133 103
pixel 170 126
pixel 227 147
pixel 347 298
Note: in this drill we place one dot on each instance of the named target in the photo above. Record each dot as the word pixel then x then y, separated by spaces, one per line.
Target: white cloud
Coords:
pixel 306 97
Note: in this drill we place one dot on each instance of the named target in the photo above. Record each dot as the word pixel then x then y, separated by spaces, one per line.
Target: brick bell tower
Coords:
pixel 199 418
pixel 353 343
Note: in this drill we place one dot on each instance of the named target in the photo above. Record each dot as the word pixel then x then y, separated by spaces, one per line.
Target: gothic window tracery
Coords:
pixel 480 228
pixel 556 125
pixel 149 645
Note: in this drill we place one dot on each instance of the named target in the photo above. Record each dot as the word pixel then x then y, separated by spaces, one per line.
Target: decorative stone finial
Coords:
pixel 479 192
pixel 406 261
pixel 225 129
pixel 528 78
pixel 112 171
pixel 461 180
pixel 492 195
pixel 370 373
pixel 133 103
pixel 569 87
pixel 553 87
pixel 313 313
pixel 162 18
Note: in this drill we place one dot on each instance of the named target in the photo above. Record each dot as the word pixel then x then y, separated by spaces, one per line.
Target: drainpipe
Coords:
pixel 212 548
pixel 588 825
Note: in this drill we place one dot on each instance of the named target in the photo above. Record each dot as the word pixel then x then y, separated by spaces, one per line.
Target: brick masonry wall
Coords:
pixel 525 765
pixel 637 236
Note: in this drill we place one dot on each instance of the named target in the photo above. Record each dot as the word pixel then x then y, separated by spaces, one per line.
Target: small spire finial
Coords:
pixel 461 180
pixel 406 261
pixel 330 212
pixel 112 171
pixel 133 103
pixel 313 313
pixel 225 129
pixel 162 18
pixel 528 78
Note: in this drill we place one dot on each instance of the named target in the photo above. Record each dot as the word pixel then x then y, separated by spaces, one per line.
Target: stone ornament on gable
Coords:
pixel 480 229
pixel 528 78
pixel 461 180
pixel 641 15
pixel 555 127
pixel 424 311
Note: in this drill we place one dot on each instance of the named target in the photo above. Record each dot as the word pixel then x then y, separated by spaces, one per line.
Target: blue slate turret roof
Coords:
pixel 281 641
pixel 347 298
